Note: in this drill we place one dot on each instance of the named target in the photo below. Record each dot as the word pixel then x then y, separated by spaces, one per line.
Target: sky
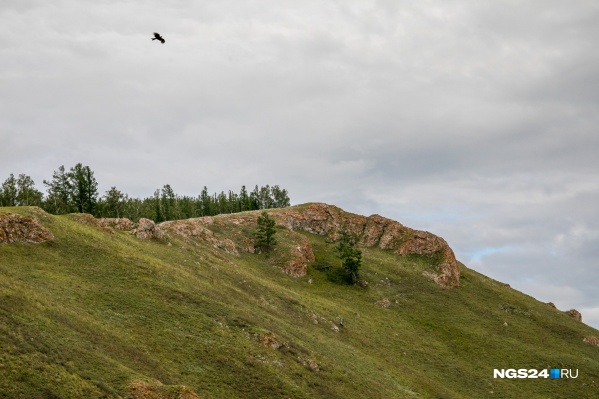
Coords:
pixel 477 121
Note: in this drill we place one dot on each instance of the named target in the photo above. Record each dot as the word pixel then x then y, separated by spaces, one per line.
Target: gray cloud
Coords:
pixel 476 121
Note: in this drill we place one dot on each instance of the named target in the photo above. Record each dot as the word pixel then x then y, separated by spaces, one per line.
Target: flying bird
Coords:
pixel 158 37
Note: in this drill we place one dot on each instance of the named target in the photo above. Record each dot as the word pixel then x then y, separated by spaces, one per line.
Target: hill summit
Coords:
pixel 187 309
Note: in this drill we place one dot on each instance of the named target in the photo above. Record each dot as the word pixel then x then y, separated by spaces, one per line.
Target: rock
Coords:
pixel 575 314
pixel 383 303
pixel 90 220
pixel 552 305
pixel 106 224
pixel 373 231
pixel 122 224
pixel 270 340
pixel 298 266
pixel 592 340
pixel 145 229
pixel 154 389
pixel 17 228
pixel 311 364
pixel 194 229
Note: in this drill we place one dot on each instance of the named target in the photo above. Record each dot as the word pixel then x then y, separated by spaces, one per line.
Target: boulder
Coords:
pixel 575 314
pixel 145 229
pixel 17 228
pixel 592 340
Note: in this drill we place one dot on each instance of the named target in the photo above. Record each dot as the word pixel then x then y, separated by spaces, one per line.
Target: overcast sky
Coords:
pixel 475 120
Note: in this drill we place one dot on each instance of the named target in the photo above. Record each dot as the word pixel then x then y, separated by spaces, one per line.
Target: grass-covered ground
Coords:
pixel 91 314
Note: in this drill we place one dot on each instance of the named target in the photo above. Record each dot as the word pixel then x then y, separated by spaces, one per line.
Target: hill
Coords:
pixel 93 308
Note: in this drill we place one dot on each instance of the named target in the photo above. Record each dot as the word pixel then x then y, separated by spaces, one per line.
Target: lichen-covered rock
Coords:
pixel 303 254
pixel 17 228
pixel 194 229
pixel 122 224
pixel 145 229
pixel 575 314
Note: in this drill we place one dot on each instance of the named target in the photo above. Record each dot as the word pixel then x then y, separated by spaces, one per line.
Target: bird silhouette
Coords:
pixel 158 37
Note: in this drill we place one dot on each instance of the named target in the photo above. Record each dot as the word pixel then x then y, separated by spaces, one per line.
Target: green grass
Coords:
pixel 88 313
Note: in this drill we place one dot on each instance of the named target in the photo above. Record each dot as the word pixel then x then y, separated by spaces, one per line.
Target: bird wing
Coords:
pixel 157 36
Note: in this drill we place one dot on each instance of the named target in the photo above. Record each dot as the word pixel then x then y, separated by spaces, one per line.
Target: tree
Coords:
pixel 114 201
pixel 159 215
pixel 27 195
pixel 168 202
pixel 280 197
pixel 264 235
pixel 205 201
pixel 58 200
pixel 8 192
pixel 244 199
pixel 350 255
pixel 84 188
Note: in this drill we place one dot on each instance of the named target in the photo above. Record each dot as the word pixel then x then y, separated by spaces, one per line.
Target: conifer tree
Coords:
pixel 58 200
pixel 264 236
pixel 350 255
pixel 84 188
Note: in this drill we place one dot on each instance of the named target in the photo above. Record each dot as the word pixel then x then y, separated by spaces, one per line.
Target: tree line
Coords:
pixel 76 190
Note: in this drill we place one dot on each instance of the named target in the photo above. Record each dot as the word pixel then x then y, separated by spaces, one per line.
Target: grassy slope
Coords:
pixel 88 313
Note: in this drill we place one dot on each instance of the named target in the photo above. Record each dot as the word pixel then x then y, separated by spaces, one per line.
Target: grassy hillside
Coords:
pixel 92 314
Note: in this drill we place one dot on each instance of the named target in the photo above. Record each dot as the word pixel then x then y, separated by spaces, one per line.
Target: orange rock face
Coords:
pixel 373 231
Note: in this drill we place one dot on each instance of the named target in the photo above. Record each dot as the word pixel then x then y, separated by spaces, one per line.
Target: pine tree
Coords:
pixel 205 200
pixel 58 200
pixel 264 235
pixel 84 188
pixel 350 255
pixel 244 199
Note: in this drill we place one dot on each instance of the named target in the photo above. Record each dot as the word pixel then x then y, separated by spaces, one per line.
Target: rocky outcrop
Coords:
pixel 592 340
pixel 122 224
pixel 575 314
pixel 194 229
pixel 302 255
pixel 374 231
pixel 17 228
pixel 108 225
pixel 145 229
